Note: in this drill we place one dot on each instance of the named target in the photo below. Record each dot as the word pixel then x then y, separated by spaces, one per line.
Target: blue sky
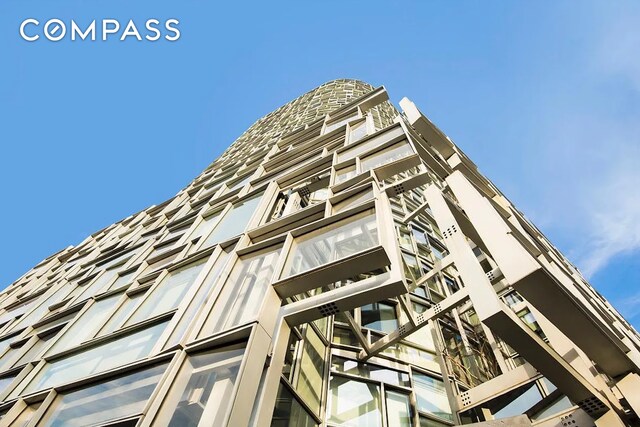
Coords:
pixel 543 96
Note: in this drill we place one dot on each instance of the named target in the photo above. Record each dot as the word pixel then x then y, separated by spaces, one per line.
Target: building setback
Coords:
pixel 340 264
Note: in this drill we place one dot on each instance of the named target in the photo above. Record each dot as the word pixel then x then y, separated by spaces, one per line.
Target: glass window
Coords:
pixel 98 284
pixel 85 326
pixel 5 381
pixel 117 398
pixel 358 132
pixel 33 353
pixel 122 280
pixel 208 391
pixel 105 356
pixel 431 396
pixel 199 300
pixel 322 246
pixel 345 174
pixel 451 284
pixel 388 155
pixel 367 370
pixel 354 200
pixel 121 313
pixel 43 309
pixel 234 221
pixel 379 316
pixel 512 298
pixel 345 337
pixel 529 319
pixel 335 125
pixel 354 403
pixel 398 409
pixel 245 289
pixel 427 422
pixel 311 373
pixel 169 293
pixel 17 311
pixel 289 412
pixel 26 415
pixel 205 225
pixel 411 263
pixel 356 150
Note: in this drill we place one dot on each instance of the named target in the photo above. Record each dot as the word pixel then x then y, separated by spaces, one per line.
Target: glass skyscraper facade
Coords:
pixel 342 263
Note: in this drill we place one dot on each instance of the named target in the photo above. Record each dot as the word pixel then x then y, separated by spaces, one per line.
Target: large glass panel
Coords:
pixel 17 311
pixel 398 410
pixel 109 355
pixel 341 240
pixel 121 313
pixel 431 396
pixel 337 124
pixel 427 422
pixel 354 200
pixel 98 284
pixel 26 415
pixel 530 320
pixel 358 132
pixel 5 381
pixel 345 174
pixel 205 226
pixel 245 289
pixel 367 370
pixel 311 373
pixel 288 412
pixel 356 150
pixel 207 394
pixel 385 156
pixel 122 280
pixel 36 348
pixel 43 309
pixel 379 316
pixel 117 398
pixel 199 300
pixel 169 293
pixel 234 222
pixel 354 403
pixel 86 325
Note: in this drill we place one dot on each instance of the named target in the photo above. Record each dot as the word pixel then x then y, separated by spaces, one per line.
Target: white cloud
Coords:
pixel 591 154
pixel 614 218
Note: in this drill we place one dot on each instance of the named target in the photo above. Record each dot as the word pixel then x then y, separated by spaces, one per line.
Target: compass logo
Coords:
pixel 56 29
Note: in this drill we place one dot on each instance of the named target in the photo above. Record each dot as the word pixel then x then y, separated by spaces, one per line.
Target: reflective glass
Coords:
pixel 121 313
pixel 245 289
pixel 343 239
pixel 288 412
pixel 199 300
pixel 207 394
pixel 169 293
pixel 117 398
pixel 353 200
pixel 431 396
pixel 398 410
pixel 234 222
pixel 385 156
pixel 371 371
pixel 354 403
pixel 379 316
pixel 311 373
pixel 85 326
pixel 108 355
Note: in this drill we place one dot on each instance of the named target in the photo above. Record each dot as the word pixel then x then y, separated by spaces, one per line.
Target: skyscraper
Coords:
pixel 341 264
